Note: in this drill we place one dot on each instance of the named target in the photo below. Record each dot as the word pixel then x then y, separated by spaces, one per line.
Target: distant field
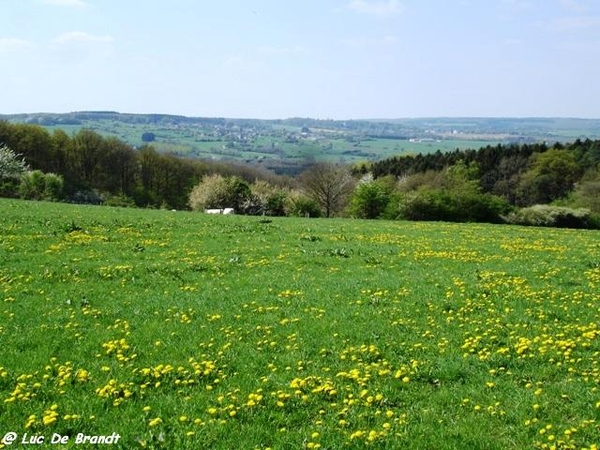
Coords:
pixel 290 145
pixel 273 147
pixel 180 330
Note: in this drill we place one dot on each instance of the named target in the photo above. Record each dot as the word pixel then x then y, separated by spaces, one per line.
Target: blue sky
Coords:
pixel 339 59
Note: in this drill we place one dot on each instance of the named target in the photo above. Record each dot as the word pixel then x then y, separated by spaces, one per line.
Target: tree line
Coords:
pixel 523 174
pixel 97 169
pixel 500 183
pixel 503 183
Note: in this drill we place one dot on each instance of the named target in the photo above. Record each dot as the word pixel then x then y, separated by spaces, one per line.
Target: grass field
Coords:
pixel 180 330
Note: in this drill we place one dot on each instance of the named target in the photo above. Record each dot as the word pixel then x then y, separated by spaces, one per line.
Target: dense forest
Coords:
pixel 523 174
pixel 534 184
pixel 501 183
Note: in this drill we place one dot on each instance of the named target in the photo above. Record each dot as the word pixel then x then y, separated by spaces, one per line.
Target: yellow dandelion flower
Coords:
pixel 48 420
pixel 154 422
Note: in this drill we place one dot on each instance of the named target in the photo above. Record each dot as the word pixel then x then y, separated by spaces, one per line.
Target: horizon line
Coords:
pixel 371 119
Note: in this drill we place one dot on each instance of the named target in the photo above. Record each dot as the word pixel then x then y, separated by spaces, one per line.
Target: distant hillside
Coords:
pixel 483 184
pixel 288 145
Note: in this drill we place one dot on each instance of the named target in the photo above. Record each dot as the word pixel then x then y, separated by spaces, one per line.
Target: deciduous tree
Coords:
pixel 370 199
pixel 216 191
pixel 87 153
pixel 551 176
pixel 12 167
pixel 329 185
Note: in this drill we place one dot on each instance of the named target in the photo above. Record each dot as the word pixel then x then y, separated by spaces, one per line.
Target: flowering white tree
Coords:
pixel 11 166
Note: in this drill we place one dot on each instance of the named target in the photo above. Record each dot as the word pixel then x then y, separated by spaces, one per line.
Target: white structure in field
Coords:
pixel 220 211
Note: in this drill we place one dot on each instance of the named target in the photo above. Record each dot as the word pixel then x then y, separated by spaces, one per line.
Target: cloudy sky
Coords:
pixel 340 59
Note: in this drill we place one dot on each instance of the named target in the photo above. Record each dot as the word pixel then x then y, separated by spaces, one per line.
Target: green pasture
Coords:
pixel 180 330
pixel 385 148
pixel 190 141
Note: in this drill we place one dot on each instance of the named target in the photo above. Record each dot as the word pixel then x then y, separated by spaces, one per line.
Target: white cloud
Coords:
pixel 14 45
pixel 76 3
pixel 377 8
pixel 82 36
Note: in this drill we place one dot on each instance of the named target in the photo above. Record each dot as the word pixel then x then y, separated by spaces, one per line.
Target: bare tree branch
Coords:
pixel 329 185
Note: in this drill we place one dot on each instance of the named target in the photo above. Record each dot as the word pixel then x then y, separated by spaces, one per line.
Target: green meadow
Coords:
pixel 271 145
pixel 180 330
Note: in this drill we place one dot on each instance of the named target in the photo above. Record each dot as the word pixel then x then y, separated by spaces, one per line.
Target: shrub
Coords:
pixel 276 204
pixel 12 169
pixel 87 197
pixel 54 185
pixel 369 200
pixel 394 208
pixel 551 176
pixel 555 216
pixel 424 205
pixel 452 207
pixel 120 200
pixel 266 199
pixel 9 188
pixel 216 191
pixel 300 205
pixel 237 194
pixel 208 193
pixel 11 166
pixel 33 185
pixel 587 194
pixel 37 185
